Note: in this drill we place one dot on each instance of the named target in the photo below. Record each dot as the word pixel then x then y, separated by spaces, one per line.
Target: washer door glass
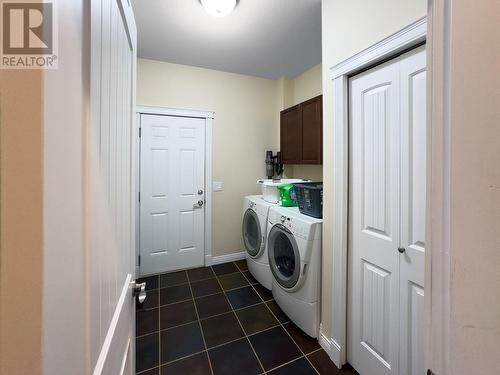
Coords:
pixel 252 236
pixel 284 257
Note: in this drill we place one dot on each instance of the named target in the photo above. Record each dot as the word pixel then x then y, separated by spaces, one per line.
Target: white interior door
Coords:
pixel 413 205
pixel 172 193
pixel 111 259
pixel 387 217
pixel 373 302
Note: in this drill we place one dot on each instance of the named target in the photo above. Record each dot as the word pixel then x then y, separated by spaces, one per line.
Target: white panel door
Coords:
pixel 373 302
pixel 413 204
pixel 172 185
pixel 111 256
pixel 387 217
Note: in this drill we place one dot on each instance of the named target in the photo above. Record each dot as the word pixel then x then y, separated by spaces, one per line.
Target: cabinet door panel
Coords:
pixel 291 136
pixel 312 131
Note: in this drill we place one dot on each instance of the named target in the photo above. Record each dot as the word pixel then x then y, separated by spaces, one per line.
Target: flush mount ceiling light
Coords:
pixel 219 8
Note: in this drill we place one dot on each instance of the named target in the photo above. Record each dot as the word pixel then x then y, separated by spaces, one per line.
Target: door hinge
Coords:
pixel 139 196
pixel 140 132
pixel 139 260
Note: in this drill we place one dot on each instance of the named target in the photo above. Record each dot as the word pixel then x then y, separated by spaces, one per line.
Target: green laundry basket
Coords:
pixel 287 195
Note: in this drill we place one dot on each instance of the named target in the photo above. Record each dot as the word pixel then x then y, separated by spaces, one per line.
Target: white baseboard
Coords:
pixel 227 258
pixel 324 341
pixel 331 347
pixel 335 353
pixel 208 260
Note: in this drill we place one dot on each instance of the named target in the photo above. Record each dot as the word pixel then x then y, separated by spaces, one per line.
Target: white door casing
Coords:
pixel 386 306
pixel 374 221
pixel 111 265
pixel 172 193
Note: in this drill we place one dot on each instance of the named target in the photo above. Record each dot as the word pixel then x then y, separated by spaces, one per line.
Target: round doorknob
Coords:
pixel 401 250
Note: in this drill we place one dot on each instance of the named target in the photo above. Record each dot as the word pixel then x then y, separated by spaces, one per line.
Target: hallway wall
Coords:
pixel 475 188
pixel 21 263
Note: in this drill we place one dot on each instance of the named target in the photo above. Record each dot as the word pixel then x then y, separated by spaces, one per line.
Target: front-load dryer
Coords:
pixel 254 229
pixel 294 251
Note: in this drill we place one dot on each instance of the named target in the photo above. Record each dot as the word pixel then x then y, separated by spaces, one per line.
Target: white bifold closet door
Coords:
pixel 387 217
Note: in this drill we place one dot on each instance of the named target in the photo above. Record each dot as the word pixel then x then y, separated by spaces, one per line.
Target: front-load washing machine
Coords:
pixel 294 251
pixel 254 229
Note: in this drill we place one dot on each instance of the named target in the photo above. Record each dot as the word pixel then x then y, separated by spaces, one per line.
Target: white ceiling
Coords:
pixel 266 38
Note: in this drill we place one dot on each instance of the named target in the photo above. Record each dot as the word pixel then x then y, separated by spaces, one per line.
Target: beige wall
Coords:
pixel 349 27
pixel 308 84
pixel 303 87
pixel 475 188
pixel 245 126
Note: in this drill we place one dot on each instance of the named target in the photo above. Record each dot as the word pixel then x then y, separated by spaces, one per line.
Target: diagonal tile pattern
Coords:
pixel 218 320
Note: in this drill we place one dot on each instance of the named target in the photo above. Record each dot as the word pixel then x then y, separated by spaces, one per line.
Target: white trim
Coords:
pixel 228 258
pixel 398 42
pixel 150 110
pixel 438 260
pixel 129 22
pixel 208 260
pixel 126 357
pixel 330 346
pixel 101 360
pixel 393 45
pixel 324 342
pixel 136 157
pixel 209 122
pixel 335 350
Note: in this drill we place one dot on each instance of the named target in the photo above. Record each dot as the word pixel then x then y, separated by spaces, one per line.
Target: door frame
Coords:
pixel 208 116
pixel 404 40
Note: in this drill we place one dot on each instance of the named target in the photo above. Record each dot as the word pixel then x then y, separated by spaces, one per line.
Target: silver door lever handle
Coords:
pixel 139 291
pixel 199 204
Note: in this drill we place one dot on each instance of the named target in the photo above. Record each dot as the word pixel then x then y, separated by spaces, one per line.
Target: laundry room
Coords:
pixel 233 192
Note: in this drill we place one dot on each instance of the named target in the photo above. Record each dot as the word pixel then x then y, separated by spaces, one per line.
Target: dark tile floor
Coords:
pixel 219 320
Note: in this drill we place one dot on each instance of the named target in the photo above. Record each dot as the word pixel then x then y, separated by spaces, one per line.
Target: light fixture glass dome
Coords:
pixel 219 8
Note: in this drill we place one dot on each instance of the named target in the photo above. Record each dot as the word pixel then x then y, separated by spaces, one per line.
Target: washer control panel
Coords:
pixel 296 227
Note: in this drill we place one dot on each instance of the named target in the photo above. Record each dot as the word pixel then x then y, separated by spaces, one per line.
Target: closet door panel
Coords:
pixel 373 317
pixel 413 206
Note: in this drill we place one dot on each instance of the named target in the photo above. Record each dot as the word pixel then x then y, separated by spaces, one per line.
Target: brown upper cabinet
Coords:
pixel 301 133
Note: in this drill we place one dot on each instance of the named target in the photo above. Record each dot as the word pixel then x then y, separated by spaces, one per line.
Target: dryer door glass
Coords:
pixel 284 257
pixel 252 236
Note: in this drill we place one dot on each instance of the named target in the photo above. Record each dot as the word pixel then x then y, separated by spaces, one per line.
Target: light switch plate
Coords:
pixel 217 186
